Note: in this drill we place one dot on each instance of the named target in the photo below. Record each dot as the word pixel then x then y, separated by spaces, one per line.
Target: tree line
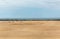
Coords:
pixel 29 19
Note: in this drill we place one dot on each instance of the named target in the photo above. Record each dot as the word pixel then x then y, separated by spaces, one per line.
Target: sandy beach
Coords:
pixel 29 29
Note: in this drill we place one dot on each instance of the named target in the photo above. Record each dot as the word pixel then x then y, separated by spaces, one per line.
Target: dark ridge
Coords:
pixel 29 19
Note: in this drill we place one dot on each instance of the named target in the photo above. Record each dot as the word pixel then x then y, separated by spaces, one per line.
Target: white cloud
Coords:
pixel 30 3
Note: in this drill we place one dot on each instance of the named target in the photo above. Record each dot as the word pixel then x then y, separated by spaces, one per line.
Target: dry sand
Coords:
pixel 29 29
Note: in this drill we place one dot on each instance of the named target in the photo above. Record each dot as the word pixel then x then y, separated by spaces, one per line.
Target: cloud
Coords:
pixel 30 3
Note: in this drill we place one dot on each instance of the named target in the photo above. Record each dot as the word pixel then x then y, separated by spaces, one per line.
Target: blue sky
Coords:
pixel 29 8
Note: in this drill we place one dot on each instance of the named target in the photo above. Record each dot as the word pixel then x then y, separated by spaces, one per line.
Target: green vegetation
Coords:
pixel 29 19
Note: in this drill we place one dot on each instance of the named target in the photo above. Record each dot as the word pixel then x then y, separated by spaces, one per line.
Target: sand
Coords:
pixel 29 29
